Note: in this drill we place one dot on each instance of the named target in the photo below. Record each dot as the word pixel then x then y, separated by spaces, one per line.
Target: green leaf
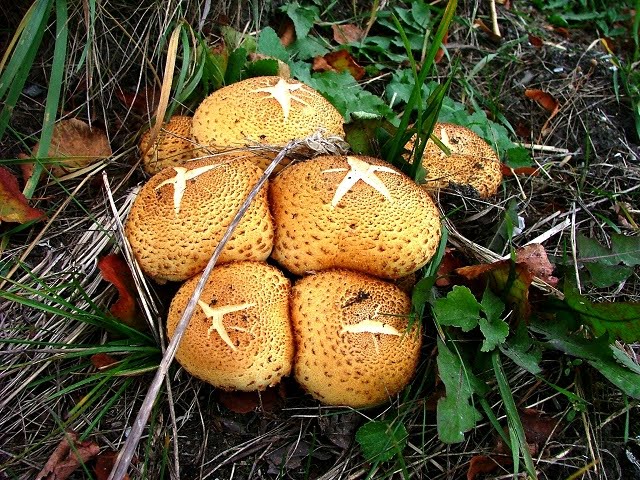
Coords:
pixel 494 328
pixel 303 18
pixel 591 251
pixel 270 45
pixel 603 276
pixel 456 414
pixel 458 309
pixel 381 440
pixel 597 352
pixel 307 48
pixel 235 65
pixel 263 67
pixel 522 350
pixel 621 319
pixel 517 157
pixel 626 249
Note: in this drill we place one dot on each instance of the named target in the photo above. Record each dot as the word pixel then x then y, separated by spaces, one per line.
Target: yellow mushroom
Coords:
pixel 172 148
pixel 353 345
pixel 239 337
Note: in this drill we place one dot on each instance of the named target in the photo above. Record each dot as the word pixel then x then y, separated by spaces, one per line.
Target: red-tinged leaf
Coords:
pixel 65 460
pixel 536 259
pixel 116 271
pixel 482 464
pixel 77 140
pixel 144 102
pixel 440 52
pixel 338 62
pixel 507 171
pixel 105 463
pixel 523 130
pixel 562 31
pixel 14 206
pixel 535 41
pixel 544 99
pixel 245 402
pixel 287 32
pixel 450 262
pixel 103 361
pixel 347 33
pixel 538 427
pixel 508 280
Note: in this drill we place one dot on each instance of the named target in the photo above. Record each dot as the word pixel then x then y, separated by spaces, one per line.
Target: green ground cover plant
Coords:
pixel 526 370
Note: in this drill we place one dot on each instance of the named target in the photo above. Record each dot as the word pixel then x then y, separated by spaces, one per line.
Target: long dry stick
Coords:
pixel 126 454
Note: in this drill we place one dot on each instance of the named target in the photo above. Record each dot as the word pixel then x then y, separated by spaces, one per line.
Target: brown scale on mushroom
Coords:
pixel 472 167
pixel 181 214
pixel 239 337
pixel 173 147
pixel 352 212
pixel 352 343
pixel 267 111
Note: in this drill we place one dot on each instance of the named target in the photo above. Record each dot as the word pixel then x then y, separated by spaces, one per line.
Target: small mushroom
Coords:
pixel 352 212
pixel 181 214
pixel 472 167
pixel 239 337
pixel 263 111
pixel 172 148
pixel 353 342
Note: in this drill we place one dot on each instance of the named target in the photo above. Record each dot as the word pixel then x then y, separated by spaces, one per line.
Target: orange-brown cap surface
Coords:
pixel 352 343
pixel 263 111
pixel 473 166
pixel 172 148
pixel 181 214
pixel 239 337
pixel 352 212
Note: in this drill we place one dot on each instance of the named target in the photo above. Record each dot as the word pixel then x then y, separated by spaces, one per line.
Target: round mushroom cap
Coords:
pixel 173 147
pixel 263 111
pixel 352 212
pixel 472 168
pixel 353 345
pixel 181 214
pixel 239 337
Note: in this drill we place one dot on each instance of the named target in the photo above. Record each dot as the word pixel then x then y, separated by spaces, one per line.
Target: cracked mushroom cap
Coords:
pixel 352 212
pixel 263 111
pixel 239 337
pixel 352 343
pixel 181 214
pixel 473 166
pixel 173 146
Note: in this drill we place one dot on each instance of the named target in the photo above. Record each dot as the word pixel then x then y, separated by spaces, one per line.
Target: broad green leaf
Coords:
pixel 597 352
pixel 263 67
pixel 626 249
pixel 493 327
pixel 517 157
pixel 307 48
pixel 456 413
pixel 458 309
pixel 269 44
pixel 603 276
pixel 235 65
pixel 381 440
pixel 523 350
pixel 620 319
pixel 303 18
pixel 592 252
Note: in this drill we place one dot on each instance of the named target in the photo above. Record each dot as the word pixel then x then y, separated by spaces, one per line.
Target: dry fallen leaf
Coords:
pixel 520 171
pixel 104 464
pixel 103 361
pixel 246 402
pixel 287 32
pixel 347 33
pixel 75 139
pixel 338 62
pixel 65 460
pixel 535 41
pixel 145 101
pixel 535 257
pixel 116 271
pixel 14 206
pixel 440 52
pixel 450 262
pixel 546 101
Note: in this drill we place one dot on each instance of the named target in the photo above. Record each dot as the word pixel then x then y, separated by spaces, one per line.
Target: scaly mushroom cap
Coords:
pixel 268 111
pixel 181 214
pixel 239 337
pixel 352 212
pixel 473 166
pixel 352 343
pixel 173 146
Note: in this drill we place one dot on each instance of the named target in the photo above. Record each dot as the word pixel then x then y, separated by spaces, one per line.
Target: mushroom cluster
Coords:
pixel 342 227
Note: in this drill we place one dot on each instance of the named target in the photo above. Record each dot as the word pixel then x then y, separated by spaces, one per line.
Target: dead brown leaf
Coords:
pixel 347 33
pixel 103 361
pixel 546 101
pixel 287 32
pixel 520 171
pixel 105 463
pixel 116 271
pixel 14 206
pixel 440 52
pixel 535 41
pixel 269 400
pixel 338 62
pixel 536 259
pixel 145 101
pixel 79 142
pixel 450 262
pixel 68 456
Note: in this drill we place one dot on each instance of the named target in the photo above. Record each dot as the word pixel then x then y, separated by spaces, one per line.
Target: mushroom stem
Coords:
pixel 126 454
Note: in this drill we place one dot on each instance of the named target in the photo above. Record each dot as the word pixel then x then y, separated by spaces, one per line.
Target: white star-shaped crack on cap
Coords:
pixel 216 315
pixel 179 182
pixel 360 170
pixel 283 94
pixel 374 327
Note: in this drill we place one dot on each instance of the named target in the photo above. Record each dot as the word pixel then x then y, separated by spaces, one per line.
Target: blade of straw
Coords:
pixel 126 454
